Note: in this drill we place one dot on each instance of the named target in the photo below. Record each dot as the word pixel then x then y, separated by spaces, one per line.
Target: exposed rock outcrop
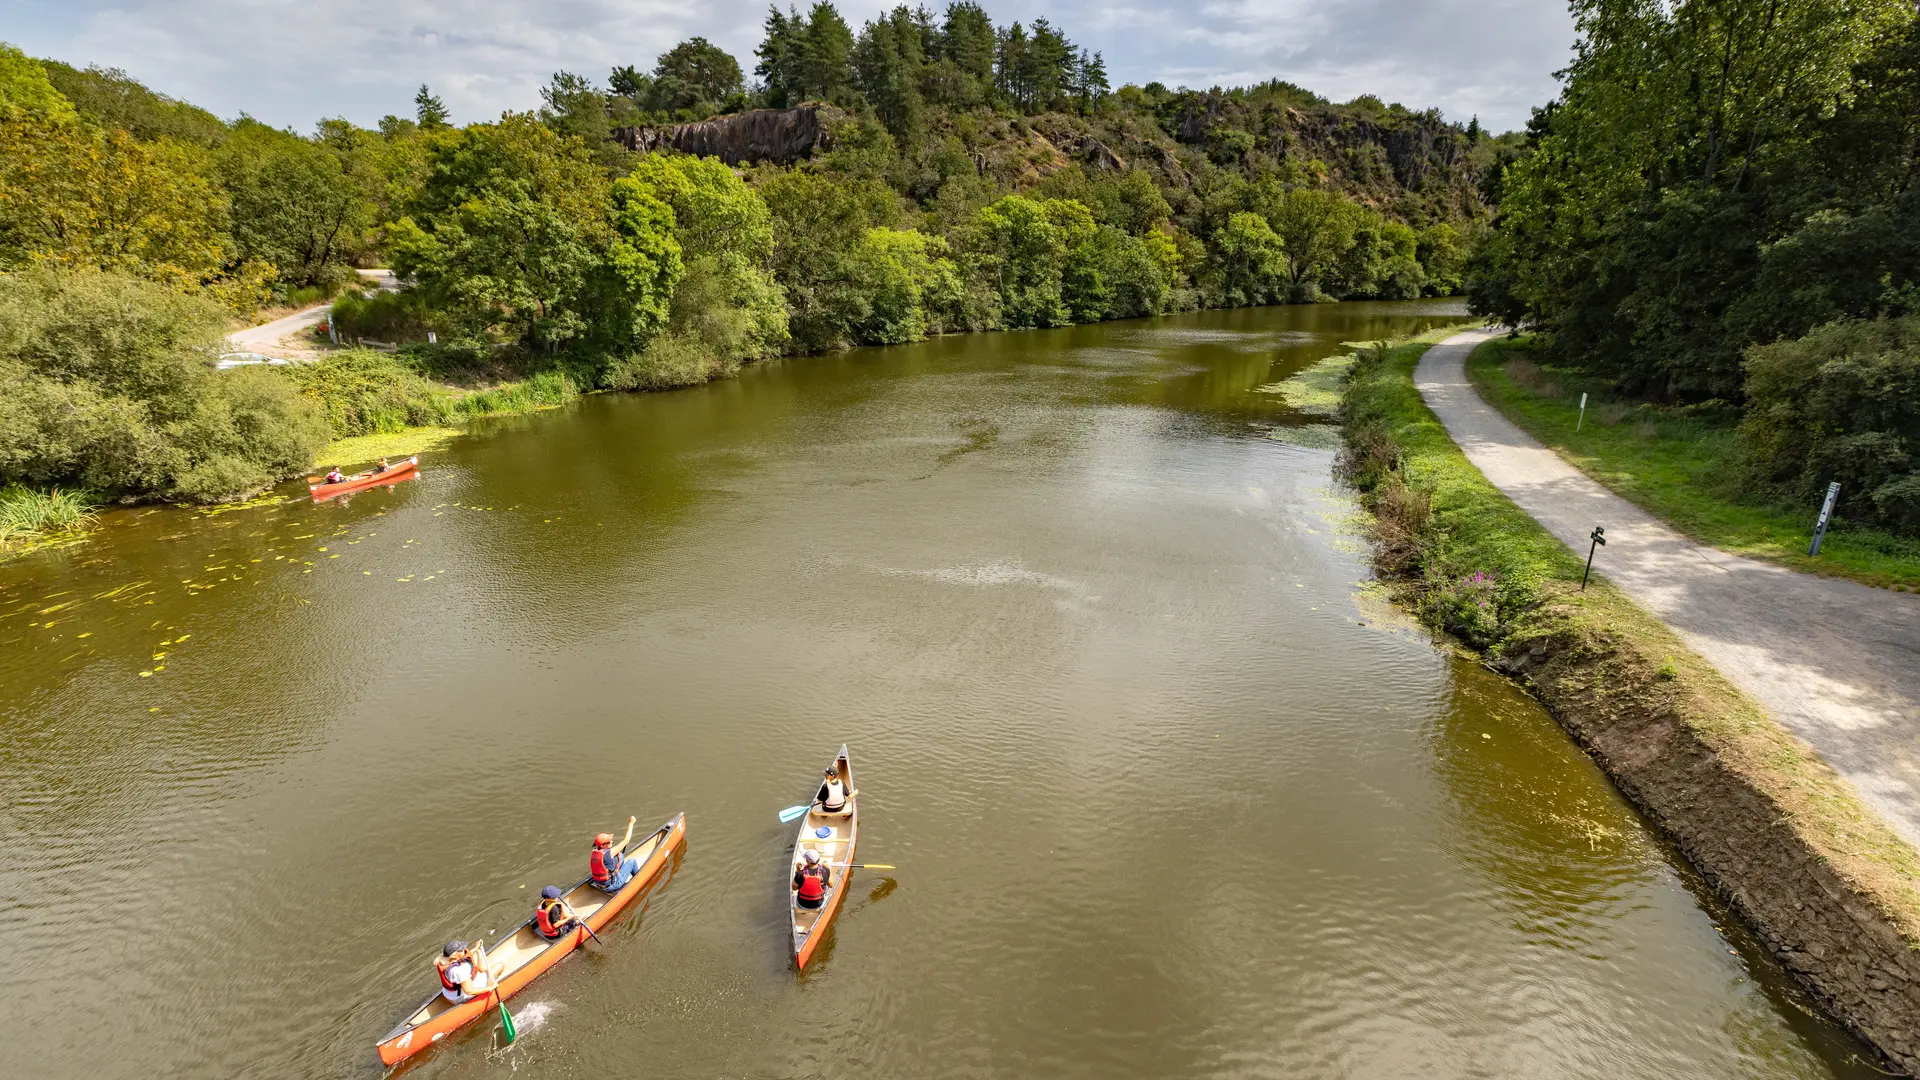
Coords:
pixel 782 136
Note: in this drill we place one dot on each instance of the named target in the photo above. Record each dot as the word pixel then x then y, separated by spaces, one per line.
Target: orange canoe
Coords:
pixel 526 955
pixel 833 836
pixel 367 479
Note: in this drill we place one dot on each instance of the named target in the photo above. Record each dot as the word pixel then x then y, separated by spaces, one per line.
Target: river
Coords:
pixel 1168 793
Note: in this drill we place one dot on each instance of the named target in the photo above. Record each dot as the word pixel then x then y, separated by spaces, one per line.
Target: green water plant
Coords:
pixel 27 514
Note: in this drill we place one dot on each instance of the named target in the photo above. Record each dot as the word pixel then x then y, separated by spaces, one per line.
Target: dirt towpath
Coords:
pixel 1836 662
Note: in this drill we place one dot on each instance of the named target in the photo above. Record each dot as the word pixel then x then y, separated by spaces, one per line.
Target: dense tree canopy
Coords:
pixel 1715 177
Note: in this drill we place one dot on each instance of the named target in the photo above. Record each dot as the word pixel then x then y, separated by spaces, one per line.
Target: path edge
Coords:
pixel 1824 883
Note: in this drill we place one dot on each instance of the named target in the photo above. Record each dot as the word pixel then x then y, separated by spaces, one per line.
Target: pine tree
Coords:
pixel 428 110
pixel 778 52
pixel 1473 130
pixel 1013 67
pixel 824 68
pixel 1051 71
pixel 1089 80
pixel 888 68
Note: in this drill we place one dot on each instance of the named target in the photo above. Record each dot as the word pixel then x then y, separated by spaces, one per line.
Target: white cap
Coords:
pixel 811 856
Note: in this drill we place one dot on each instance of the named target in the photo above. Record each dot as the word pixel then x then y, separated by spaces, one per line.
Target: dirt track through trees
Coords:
pixel 1835 661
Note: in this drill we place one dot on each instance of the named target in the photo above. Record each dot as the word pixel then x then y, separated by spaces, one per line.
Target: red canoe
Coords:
pixel 833 836
pixel 395 471
pixel 526 955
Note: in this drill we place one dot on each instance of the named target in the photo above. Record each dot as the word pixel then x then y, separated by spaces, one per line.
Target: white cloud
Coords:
pixel 291 62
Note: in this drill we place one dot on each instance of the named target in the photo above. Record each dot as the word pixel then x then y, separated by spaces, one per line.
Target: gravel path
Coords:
pixel 1837 662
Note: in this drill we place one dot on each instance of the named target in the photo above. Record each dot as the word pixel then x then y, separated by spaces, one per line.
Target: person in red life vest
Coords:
pixel 464 972
pixel 336 475
pixel 553 918
pixel 605 868
pixel 811 881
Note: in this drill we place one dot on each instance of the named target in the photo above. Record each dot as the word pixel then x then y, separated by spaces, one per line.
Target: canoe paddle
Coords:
pixel 506 1018
pixel 871 866
pixel 589 930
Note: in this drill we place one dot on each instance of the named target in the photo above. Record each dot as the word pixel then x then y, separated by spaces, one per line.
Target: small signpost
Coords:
pixel 1580 423
pixel 1599 538
pixel 1826 515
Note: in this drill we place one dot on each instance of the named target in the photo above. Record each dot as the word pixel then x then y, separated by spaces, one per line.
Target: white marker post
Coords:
pixel 1826 515
pixel 1583 413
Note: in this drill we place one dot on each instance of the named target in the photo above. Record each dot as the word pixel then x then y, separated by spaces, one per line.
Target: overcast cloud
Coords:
pixel 292 62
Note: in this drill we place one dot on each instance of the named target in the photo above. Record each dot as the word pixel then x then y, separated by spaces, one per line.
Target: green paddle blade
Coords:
pixel 506 1022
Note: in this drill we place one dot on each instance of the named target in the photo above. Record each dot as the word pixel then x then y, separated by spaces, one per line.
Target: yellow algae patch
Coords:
pixel 364 448
pixel 268 499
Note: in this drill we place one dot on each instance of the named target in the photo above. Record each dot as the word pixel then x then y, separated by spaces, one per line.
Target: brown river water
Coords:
pixel 1169 795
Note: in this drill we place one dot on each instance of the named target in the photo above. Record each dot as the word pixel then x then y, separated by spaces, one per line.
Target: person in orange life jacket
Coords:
pixel 811 881
pixel 381 466
pixel 336 475
pixel 833 797
pixel 553 918
pixel 605 868
pixel 464 972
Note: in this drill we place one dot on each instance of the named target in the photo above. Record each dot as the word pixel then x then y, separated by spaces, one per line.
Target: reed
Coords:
pixel 26 514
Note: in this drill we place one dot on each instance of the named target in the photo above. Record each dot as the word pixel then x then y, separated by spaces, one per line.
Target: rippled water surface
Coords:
pixel 1167 796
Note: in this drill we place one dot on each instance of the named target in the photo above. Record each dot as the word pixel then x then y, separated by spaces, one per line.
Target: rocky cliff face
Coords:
pixel 1373 157
pixel 782 136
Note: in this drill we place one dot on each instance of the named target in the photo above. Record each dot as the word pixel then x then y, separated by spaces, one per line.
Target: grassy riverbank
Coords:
pixel 1685 466
pixel 1827 885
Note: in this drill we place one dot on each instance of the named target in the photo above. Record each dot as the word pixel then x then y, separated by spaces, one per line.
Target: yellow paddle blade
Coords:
pixel 876 866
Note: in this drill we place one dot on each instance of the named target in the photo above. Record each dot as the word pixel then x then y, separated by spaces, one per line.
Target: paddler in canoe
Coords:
pixel 605 868
pixel 464 971
pixel 552 917
pixel 833 798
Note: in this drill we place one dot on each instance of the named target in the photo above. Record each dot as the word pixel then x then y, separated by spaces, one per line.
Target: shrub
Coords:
pixel 362 392
pixel 105 383
pixel 381 315
pixel 1467 607
pixel 1841 403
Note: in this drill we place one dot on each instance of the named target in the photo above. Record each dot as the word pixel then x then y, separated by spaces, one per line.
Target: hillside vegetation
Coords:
pixel 958 175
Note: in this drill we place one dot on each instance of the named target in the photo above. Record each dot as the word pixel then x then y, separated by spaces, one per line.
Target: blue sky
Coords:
pixel 292 62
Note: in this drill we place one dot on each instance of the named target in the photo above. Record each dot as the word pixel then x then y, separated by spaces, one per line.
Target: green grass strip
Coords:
pixel 1684 466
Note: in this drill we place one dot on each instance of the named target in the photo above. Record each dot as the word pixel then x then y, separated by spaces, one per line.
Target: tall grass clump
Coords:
pixel 363 392
pixel 26 514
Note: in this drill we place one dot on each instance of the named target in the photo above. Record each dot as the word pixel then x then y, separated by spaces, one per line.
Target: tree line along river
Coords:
pixel 1169 795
